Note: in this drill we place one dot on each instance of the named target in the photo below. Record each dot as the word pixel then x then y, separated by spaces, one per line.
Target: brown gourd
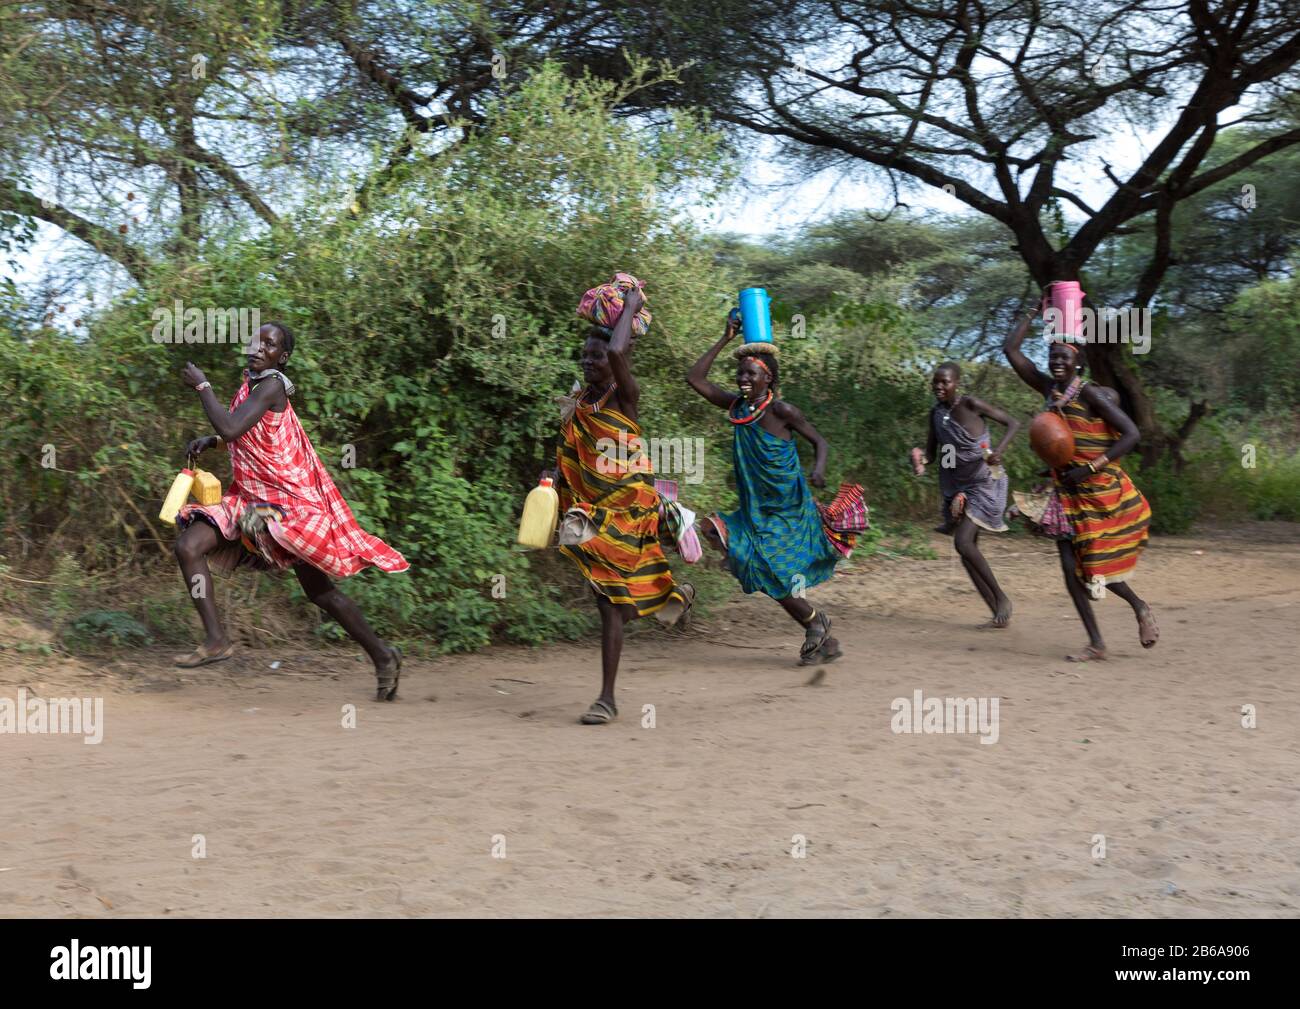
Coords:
pixel 1051 438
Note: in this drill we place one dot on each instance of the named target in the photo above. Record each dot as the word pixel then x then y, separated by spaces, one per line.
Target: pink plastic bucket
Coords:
pixel 1066 297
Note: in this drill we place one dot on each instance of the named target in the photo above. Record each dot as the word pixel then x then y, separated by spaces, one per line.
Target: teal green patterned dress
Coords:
pixel 776 536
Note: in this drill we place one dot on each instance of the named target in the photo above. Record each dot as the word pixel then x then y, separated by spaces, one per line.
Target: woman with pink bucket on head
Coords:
pixel 1094 512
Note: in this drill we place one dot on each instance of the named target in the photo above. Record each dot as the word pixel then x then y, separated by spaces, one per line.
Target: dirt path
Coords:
pixel 699 814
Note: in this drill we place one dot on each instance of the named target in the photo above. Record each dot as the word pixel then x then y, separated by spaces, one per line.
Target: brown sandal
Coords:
pixel 600 713
pixel 678 614
pixel 202 657
pixel 1089 654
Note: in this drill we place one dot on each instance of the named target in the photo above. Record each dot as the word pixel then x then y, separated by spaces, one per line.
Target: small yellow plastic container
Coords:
pixel 207 488
pixel 541 512
pixel 177 496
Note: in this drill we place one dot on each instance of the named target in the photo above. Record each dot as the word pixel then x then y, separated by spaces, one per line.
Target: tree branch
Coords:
pixel 223 168
pixel 101 239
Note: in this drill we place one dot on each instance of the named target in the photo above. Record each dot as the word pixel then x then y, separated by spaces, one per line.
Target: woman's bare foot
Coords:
pixel 1092 653
pixel 1148 632
pixel 1001 617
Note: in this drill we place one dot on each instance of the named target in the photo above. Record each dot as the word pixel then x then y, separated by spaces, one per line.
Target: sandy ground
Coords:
pixel 702 813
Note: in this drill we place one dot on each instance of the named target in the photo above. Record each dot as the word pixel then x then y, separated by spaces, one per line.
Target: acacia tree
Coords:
pixel 1008 106
pixel 141 128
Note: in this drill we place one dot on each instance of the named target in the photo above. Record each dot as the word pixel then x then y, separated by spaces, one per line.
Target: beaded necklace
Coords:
pixel 601 400
pixel 755 411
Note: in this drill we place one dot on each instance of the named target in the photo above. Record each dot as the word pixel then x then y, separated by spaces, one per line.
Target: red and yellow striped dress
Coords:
pixel 1109 515
pixel 607 475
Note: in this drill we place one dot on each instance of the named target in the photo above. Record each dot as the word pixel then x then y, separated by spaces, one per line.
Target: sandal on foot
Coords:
pixel 1089 654
pixel 202 657
pixel 816 638
pixel 677 614
pixel 828 651
pixel 386 682
pixel 1148 632
pixel 600 713
pixel 719 527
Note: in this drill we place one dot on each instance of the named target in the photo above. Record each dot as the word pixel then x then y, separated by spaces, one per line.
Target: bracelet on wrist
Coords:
pixel 202 385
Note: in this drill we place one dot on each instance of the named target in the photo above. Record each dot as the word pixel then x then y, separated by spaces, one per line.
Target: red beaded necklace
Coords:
pixel 755 411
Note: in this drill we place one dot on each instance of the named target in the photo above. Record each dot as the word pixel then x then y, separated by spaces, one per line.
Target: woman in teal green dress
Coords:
pixel 779 541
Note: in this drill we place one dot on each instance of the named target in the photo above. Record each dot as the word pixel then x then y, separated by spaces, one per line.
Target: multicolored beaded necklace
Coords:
pixel 755 410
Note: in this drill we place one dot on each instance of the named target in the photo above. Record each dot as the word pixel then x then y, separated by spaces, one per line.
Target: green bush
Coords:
pixel 434 329
pixel 1175 504
pixel 1268 490
pixel 100 628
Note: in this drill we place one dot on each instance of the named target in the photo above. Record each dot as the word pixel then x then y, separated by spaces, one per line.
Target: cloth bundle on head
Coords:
pixel 603 305
pixel 756 350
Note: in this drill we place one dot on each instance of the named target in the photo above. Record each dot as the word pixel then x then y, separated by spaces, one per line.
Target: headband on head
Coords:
pixel 1078 350
pixel 761 363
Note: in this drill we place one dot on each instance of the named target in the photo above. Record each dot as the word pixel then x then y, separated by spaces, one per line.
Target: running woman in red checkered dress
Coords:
pixel 281 510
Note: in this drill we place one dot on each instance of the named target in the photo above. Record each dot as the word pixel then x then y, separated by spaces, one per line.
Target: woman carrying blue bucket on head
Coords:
pixel 779 541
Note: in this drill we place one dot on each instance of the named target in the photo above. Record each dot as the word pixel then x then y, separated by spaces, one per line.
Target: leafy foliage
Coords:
pixel 105 627
pixel 433 332
pixel 435 325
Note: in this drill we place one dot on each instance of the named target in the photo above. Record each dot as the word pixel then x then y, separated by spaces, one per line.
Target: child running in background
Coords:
pixel 281 510
pixel 779 541
pixel 971 478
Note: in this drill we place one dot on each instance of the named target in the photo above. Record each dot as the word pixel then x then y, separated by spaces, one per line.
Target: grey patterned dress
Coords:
pixel 969 474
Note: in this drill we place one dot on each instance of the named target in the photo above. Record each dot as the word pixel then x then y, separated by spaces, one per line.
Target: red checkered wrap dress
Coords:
pixel 274 463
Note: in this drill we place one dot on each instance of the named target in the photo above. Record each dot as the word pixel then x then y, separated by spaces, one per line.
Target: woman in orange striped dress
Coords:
pixel 1108 517
pixel 608 501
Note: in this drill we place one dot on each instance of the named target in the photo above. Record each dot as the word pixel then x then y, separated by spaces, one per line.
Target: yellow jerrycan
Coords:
pixel 541 512
pixel 177 496
pixel 207 488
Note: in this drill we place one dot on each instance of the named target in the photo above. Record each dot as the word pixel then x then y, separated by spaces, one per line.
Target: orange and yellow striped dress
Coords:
pixel 608 476
pixel 1109 515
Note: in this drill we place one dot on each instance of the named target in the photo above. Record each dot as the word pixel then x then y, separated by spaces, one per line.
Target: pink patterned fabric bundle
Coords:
pixel 848 513
pixel 845 517
pixel 679 520
pixel 1056 523
pixel 603 305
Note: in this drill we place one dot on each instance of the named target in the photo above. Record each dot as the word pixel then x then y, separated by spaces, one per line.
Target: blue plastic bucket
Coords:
pixel 755 315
